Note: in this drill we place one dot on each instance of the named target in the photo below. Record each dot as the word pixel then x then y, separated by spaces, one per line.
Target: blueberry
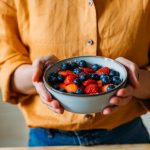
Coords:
pixel 52 79
pixel 102 76
pixel 83 77
pixel 73 65
pixel 82 63
pixel 79 91
pixel 116 80
pixel 105 80
pixel 110 87
pixel 65 66
pixel 55 86
pixel 77 81
pixel 95 67
pixel 71 92
pixel 94 76
pixel 77 70
pixel 62 90
pixel 60 78
pixel 113 73
pixel 53 74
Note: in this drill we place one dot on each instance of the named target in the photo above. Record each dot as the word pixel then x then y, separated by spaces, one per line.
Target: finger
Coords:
pixel 119 101
pixel 37 70
pixel 132 71
pixel 46 60
pixel 44 94
pixel 125 92
pixel 59 111
pixel 39 65
pixel 108 110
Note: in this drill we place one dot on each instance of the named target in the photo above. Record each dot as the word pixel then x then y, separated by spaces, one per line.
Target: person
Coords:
pixel 35 34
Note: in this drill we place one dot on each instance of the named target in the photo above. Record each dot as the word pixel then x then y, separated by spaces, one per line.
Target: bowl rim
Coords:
pixel 83 95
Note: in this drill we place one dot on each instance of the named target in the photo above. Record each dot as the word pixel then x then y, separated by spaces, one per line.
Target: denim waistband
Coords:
pixel 131 132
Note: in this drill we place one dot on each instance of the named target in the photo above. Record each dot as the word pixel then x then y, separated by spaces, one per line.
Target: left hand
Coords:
pixel 124 95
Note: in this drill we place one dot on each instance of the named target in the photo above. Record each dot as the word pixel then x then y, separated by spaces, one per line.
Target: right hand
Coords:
pixel 38 68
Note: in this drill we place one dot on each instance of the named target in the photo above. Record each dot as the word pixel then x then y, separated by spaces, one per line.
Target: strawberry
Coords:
pixel 91 89
pixel 87 70
pixel 103 70
pixel 71 88
pixel 65 73
pixel 89 81
pixel 69 79
pixel 62 85
pixel 99 83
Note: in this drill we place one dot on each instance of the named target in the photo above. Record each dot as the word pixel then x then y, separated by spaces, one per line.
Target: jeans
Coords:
pixel 133 132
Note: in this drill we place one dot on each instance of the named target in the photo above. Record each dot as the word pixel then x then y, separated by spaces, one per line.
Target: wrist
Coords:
pixel 21 80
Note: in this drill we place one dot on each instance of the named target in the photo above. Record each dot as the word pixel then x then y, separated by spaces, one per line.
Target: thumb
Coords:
pixel 37 71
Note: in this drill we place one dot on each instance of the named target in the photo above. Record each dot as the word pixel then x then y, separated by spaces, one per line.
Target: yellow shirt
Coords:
pixel 65 28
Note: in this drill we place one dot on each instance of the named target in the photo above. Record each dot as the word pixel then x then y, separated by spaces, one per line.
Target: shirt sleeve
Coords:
pixel 146 103
pixel 12 51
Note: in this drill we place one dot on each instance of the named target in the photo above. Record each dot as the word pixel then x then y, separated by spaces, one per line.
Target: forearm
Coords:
pixel 143 91
pixel 21 80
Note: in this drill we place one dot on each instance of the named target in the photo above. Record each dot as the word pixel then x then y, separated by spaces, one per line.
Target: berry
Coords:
pixel 116 80
pixel 99 83
pixel 60 78
pixel 54 74
pixel 62 90
pixel 79 91
pixel 55 86
pixel 110 87
pixel 77 81
pixel 91 89
pixel 102 76
pixel 52 79
pixel 113 73
pixel 82 63
pixel 65 73
pixel 77 70
pixel 103 70
pixel 95 67
pixel 107 87
pixel 89 81
pixel 62 85
pixel 83 77
pixel 87 70
pixel 69 79
pixel 65 66
pixel 71 92
pixel 94 76
pixel 105 80
pixel 73 65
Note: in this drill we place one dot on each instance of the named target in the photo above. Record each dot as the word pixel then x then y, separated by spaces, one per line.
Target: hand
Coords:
pixel 133 88
pixel 38 67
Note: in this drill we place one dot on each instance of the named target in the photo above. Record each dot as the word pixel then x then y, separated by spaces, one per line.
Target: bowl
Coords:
pixel 83 103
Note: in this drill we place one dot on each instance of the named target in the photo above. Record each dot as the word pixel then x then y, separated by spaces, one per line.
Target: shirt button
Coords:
pixel 90 42
pixel 90 2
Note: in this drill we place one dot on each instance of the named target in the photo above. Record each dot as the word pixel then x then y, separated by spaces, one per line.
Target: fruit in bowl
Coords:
pixel 85 84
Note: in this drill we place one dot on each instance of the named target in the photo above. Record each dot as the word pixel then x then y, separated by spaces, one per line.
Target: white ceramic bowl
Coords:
pixel 82 103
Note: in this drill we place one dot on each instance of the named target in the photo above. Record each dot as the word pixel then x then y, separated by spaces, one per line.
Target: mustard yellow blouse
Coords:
pixel 66 28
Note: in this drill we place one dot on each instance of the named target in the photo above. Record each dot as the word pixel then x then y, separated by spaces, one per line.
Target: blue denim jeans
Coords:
pixel 130 133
